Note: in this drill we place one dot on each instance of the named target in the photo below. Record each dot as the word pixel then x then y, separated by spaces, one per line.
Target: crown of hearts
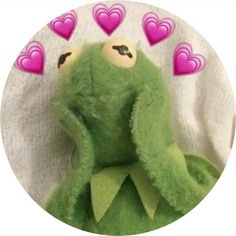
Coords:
pixel 156 30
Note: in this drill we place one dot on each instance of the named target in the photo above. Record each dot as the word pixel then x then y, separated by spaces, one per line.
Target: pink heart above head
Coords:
pixel 109 18
pixel 155 29
pixel 64 25
pixel 32 59
pixel 185 62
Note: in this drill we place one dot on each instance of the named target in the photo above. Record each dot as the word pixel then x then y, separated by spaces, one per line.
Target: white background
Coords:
pixel 20 20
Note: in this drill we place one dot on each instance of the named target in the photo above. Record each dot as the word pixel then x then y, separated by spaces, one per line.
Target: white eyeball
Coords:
pixel 120 52
pixel 66 59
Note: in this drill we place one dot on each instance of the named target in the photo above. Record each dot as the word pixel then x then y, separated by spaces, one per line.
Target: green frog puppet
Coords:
pixel 126 175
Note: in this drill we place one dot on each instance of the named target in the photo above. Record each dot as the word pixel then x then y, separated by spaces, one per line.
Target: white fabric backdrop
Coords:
pixel 203 105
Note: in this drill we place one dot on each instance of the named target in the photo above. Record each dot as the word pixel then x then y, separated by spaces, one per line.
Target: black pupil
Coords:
pixel 62 59
pixel 123 50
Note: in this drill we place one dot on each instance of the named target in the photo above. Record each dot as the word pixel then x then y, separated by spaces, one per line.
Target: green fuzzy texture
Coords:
pixel 106 184
pixel 117 117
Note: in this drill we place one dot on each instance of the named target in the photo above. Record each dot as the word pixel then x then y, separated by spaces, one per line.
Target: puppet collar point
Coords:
pixel 106 184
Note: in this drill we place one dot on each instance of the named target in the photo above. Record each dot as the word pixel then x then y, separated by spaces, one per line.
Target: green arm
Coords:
pixel 165 164
pixel 62 203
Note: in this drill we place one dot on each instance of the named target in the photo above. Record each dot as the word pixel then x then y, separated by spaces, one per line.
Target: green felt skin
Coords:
pixel 117 116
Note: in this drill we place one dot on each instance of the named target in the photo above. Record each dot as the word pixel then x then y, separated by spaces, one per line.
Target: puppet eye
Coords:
pixel 66 59
pixel 120 52
pixel 62 59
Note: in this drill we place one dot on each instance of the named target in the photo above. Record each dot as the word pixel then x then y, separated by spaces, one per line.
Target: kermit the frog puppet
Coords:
pixel 126 175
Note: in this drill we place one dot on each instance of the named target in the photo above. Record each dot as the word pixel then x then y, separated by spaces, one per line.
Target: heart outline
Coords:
pixel 108 26
pixel 152 34
pixel 65 31
pixel 181 66
pixel 34 65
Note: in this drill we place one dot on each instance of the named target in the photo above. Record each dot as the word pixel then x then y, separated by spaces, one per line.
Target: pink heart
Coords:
pixel 64 25
pixel 155 29
pixel 185 62
pixel 109 18
pixel 32 59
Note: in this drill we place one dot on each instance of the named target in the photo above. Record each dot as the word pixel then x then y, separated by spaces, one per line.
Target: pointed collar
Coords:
pixel 106 184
